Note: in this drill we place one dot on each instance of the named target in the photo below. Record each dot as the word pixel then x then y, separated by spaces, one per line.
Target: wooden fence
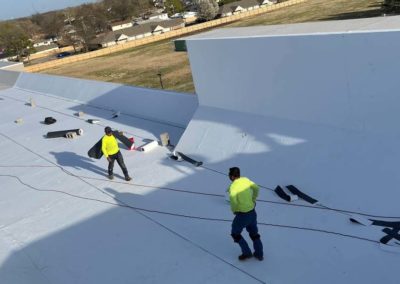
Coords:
pixel 50 52
pixel 154 38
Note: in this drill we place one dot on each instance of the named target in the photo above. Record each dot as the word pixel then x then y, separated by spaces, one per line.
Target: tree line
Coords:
pixel 77 26
pixel 74 26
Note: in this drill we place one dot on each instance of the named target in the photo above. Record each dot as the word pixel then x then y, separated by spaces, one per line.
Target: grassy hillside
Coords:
pixel 317 10
pixel 140 66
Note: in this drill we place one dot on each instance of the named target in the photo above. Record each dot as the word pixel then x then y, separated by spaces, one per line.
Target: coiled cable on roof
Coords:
pixel 318 206
pixel 125 205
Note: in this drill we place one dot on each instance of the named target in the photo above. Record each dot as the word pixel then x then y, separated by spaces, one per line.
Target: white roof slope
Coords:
pixel 62 221
pixel 381 24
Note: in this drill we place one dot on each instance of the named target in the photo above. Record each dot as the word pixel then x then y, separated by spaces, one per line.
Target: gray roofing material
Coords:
pixel 158 105
pixel 106 38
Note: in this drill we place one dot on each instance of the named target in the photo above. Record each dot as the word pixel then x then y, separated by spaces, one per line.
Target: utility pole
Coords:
pixel 160 76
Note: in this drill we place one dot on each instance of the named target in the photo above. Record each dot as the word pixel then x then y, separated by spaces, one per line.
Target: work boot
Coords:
pixel 128 178
pixel 244 256
pixel 259 257
pixel 110 176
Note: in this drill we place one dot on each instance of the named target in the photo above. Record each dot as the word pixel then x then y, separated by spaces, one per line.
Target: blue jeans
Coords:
pixel 247 220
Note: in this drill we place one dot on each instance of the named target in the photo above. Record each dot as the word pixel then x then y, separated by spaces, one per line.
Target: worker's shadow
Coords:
pixel 71 159
pixel 124 199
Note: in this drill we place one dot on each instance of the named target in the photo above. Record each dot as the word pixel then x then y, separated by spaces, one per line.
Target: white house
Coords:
pixel 157 29
pixel 238 7
pixel 158 16
pixel 44 42
pixel 136 32
pixel 46 48
pixel 268 2
pixel 105 40
pixel 121 25
pixel 189 16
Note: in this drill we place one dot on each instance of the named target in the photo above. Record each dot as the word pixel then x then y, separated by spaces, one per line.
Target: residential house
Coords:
pixel 158 16
pixel 103 40
pixel 169 25
pixel 189 17
pixel 115 26
pixel 155 17
pixel 158 27
pixel 238 7
pixel 135 32
pixel 46 48
pixel 44 42
pixel 268 2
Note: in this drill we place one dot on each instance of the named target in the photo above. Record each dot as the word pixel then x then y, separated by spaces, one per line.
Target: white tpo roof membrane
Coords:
pixel 63 221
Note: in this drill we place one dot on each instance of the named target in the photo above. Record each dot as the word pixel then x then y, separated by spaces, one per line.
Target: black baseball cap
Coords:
pixel 107 130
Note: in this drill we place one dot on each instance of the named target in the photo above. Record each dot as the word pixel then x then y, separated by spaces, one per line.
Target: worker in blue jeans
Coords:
pixel 242 195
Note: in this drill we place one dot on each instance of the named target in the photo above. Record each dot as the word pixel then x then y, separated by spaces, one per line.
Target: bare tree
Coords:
pixel 90 20
pixel 51 23
pixel 125 9
pixel 29 27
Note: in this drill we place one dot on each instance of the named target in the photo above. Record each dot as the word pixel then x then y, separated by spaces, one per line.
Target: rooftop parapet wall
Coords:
pixel 346 80
pixel 164 106
pixel 7 79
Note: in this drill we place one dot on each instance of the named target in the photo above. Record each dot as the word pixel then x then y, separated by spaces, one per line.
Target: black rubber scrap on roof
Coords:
pixel 190 160
pixel 360 220
pixel 391 233
pixel 281 193
pixel 301 194
pixel 93 121
pixel 386 223
pixel 392 230
pixel 49 120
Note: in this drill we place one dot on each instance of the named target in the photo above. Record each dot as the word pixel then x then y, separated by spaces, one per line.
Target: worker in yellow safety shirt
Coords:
pixel 242 196
pixel 110 149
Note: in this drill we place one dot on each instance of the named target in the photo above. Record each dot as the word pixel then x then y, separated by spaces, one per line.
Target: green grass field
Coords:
pixel 140 66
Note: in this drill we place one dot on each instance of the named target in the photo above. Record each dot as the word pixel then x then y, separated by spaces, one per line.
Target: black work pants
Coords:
pixel 120 161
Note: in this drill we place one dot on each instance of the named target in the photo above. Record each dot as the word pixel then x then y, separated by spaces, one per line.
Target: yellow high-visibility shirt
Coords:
pixel 243 194
pixel 109 145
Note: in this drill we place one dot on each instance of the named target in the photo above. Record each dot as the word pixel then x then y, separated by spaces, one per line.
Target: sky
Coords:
pixel 10 10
